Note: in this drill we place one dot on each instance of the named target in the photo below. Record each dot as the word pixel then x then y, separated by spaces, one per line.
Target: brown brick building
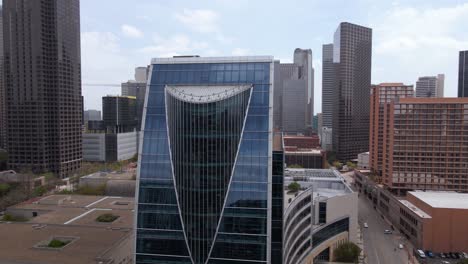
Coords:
pixel 436 220
pixel 381 96
pixel 426 146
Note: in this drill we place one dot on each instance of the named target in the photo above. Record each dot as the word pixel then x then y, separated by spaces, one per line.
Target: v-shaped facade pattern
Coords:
pixel 205 165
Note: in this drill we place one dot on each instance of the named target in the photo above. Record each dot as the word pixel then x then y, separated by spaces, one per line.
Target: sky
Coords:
pixel 411 38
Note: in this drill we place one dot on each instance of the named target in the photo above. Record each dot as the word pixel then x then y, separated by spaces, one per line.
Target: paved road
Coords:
pixel 379 248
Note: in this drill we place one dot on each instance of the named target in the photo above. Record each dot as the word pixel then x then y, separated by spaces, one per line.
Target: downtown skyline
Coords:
pixel 404 35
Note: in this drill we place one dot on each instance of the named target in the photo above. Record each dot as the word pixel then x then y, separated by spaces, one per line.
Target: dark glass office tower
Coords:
pixel 352 51
pixel 205 165
pixel 119 113
pixel 328 84
pixel 42 78
pixel 463 74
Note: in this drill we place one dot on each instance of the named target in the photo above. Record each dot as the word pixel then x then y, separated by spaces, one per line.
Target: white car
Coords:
pixel 366 225
pixel 400 246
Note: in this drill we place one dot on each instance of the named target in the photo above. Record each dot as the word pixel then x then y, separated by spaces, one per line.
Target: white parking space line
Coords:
pixel 84 214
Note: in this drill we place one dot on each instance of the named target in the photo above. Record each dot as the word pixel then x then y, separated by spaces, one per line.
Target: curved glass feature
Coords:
pixel 204 136
pixel 204 179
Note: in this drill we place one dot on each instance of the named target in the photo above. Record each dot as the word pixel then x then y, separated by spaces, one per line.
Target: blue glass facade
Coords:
pixel 204 191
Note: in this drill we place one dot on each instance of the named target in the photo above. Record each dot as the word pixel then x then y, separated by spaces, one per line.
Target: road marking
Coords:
pixel 84 214
pixel 102 199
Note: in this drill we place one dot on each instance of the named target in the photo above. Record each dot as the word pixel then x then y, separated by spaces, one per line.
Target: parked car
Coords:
pixel 387 232
pixel 400 246
pixel 445 262
pixel 442 255
pixel 429 253
pixel 366 225
pixel 420 253
pixel 465 255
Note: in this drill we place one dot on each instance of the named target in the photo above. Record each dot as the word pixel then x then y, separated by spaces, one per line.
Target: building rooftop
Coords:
pixel 304 151
pixel 110 175
pixel 433 100
pixel 415 209
pixel 277 141
pixel 90 244
pixel 192 59
pixel 391 84
pixel 452 200
pixel 326 183
pixel 72 217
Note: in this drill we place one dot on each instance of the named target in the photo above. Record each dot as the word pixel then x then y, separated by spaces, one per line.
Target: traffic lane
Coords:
pixel 379 248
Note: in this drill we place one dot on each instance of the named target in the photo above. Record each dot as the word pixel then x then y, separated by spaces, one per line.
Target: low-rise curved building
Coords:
pixel 319 217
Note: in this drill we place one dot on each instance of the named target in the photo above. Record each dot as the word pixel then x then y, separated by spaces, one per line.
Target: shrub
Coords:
pixel 294 186
pixel 295 166
pixel 337 165
pixel 107 218
pixel 465 261
pixel 4 188
pixel 347 252
pixel 39 191
pixel 55 243
pixel 351 165
pixel 11 218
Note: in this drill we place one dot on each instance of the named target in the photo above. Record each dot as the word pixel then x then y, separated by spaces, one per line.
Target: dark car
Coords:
pixel 429 254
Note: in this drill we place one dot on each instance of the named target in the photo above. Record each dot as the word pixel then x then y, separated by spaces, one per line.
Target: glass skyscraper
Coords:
pixel 205 164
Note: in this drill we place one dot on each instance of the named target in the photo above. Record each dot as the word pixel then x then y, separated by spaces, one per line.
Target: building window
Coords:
pixel 322 212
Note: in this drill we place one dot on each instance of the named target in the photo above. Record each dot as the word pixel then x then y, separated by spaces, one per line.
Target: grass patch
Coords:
pixel 56 243
pixel 107 218
pixel 11 218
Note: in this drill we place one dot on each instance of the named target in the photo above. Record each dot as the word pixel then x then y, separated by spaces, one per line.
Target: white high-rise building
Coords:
pixel 430 86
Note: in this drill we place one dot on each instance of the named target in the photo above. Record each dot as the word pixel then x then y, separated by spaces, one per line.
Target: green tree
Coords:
pixel 464 261
pixel 337 165
pixel 347 252
pixel 294 186
pixel 351 165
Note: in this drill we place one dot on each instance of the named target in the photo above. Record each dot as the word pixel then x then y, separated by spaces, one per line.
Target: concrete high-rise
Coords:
pixel 294 86
pixel 141 74
pixel 328 84
pixel 137 89
pixel 205 165
pixel 43 84
pixel 463 74
pixel 352 53
pixel 93 115
pixel 381 97
pixel 430 86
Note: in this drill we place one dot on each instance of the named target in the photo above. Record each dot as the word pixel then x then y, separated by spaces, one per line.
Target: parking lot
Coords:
pixel 438 260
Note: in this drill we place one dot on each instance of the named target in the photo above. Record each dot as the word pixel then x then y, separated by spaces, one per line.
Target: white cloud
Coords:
pixel 131 31
pixel 104 62
pixel 240 52
pixel 199 20
pixel 411 42
pixel 176 45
